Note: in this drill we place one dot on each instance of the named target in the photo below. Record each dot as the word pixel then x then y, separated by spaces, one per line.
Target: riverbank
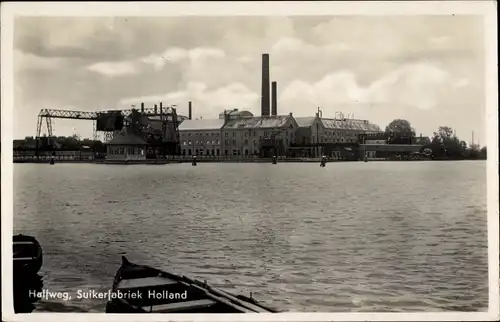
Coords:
pixel 248 160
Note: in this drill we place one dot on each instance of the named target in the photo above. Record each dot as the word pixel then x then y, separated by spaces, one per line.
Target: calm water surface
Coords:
pixel 376 236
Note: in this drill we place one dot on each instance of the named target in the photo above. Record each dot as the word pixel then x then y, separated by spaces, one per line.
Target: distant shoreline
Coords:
pixel 256 160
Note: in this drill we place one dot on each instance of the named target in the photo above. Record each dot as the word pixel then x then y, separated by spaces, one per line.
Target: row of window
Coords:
pixel 227 142
pixel 216 134
pixel 226 134
pixel 326 140
pixel 216 152
pixel 122 150
pixel 201 142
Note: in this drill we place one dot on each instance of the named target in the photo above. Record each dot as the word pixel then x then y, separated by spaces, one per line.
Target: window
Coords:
pixel 208 142
pixel 184 143
pixel 218 152
pixel 218 141
pixel 246 142
pixel 189 152
pixel 234 133
pixel 246 133
pixel 254 133
pixel 225 152
pixel 189 143
pixel 254 142
pixel 226 141
pixel 226 134
pixel 234 142
pixel 189 134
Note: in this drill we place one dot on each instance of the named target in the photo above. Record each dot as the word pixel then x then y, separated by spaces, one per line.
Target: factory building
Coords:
pixel 201 137
pixel 259 136
pixel 345 130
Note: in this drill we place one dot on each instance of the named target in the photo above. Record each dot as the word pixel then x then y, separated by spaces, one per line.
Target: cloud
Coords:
pixel 157 61
pixel 425 68
pixel 176 54
pixel 461 83
pixel 414 85
pixel 207 103
pixel 26 61
pixel 113 69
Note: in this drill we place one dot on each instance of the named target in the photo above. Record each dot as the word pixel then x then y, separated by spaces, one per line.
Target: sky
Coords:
pixel 426 69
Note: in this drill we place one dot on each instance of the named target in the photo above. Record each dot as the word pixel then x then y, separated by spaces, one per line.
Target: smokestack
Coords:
pixel 190 111
pixel 264 101
pixel 142 107
pixel 274 98
pixel 161 108
pixel 156 108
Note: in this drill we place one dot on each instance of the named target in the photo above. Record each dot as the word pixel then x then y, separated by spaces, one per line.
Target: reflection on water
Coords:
pixel 377 236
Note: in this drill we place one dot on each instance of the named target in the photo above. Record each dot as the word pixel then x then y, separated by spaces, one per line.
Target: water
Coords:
pixel 376 236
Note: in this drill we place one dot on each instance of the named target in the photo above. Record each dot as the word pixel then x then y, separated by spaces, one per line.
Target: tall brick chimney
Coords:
pixel 190 111
pixel 265 99
pixel 274 98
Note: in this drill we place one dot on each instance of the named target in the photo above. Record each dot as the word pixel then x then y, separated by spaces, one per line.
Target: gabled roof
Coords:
pixel 126 138
pixel 306 121
pixel 193 125
pixel 258 122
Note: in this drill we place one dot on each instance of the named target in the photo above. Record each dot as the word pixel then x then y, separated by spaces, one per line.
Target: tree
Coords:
pixel 483 153
pixel 399 126
pixel 399 131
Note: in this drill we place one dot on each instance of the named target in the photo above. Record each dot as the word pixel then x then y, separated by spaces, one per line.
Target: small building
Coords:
pixel 127 146
pixel 389 150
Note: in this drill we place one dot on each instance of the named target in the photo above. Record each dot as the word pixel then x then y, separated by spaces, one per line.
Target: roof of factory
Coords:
pixel 305 121
pixel 193 125
pixel 350 124
pixel 274 121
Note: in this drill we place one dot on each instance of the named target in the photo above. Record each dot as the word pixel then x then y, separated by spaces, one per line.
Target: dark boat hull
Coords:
pixel 27 254
pixel 144 289
pixel 27 261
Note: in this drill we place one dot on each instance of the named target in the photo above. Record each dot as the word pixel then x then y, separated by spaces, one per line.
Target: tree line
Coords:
pixel 69 143
pixel 444 143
